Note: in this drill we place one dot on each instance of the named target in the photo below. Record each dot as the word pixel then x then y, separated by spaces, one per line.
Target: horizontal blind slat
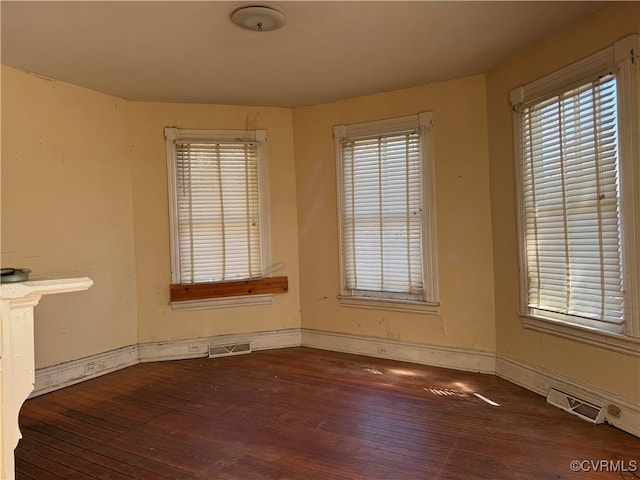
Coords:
pixel 218 210
pixel 381 221
pixel 571 206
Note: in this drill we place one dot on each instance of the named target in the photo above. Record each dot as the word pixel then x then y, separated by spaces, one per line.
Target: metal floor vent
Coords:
pixel 583 409
pixel 228 350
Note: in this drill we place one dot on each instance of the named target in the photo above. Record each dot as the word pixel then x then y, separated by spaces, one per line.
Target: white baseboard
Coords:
pixel 68 373
pixel 528 376
pixel 59 376
pixel 199 347
pixel 64 374
pixel 437 356
pixel 540 380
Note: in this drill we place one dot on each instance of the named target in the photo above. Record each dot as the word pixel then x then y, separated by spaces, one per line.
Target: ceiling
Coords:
pixel 180 51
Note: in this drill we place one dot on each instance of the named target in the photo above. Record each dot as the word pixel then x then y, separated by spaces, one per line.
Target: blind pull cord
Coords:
pixel 273 268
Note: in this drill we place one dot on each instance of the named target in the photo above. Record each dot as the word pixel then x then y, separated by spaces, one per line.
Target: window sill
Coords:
pixel 240 288
pixel 225 302
pixel 393 305
pixel 590 336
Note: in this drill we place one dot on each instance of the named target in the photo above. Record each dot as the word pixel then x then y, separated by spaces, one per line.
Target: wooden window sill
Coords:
pixel 201 291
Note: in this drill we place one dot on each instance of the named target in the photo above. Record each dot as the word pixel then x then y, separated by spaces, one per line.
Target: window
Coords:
pixel 576 146
pixel 386 214
pixel 219 224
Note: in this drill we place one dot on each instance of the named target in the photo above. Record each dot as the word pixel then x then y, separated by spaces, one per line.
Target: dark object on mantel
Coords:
pixel 13 275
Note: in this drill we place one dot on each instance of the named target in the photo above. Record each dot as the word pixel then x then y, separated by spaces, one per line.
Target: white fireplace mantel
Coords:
pixel 17 364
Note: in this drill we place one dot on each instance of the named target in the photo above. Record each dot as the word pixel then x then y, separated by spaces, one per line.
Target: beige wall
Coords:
pixel 67 211
pixel 107 217
pixel 614 372
pixel 463 220
pixel 84 192
pixel 156 320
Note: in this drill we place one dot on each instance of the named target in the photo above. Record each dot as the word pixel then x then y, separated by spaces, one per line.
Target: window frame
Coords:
pixel 430 303
pixel 255 291
pixel 619 59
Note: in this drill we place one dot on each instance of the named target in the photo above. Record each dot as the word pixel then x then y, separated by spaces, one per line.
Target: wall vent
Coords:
pixel 228 350
pixel 583 409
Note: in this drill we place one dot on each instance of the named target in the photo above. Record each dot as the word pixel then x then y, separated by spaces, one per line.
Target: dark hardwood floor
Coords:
pixel 297 414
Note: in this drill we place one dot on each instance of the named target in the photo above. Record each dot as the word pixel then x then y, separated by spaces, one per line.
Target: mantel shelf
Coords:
pixel 37 288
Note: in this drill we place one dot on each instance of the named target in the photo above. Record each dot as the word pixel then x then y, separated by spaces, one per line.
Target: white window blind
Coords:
pixel 218 226
pixel 576 134
pixel 571 204
pixel 382 211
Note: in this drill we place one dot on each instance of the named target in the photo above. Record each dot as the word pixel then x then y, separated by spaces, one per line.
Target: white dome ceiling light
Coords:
pixel 259 18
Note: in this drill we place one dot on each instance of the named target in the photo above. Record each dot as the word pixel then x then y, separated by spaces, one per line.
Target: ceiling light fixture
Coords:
pixel 259 18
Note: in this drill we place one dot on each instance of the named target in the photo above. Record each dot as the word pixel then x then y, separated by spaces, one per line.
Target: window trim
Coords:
pixel 583 334
pixel 222 302
pixel 430 303
pixel 258 136
pixel 622 59
pixel 391 304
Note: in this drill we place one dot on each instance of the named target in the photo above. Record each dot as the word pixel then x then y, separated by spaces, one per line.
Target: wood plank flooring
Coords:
pixel 301 414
